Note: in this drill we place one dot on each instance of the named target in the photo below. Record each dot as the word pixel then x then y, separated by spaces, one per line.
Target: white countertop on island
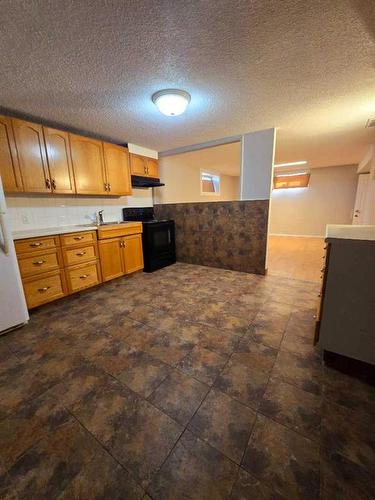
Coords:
pixel 349 232
pixel 49 231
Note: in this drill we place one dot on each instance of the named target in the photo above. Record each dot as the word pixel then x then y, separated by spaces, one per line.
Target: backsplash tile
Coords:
pixel 231 235
pixel 33 212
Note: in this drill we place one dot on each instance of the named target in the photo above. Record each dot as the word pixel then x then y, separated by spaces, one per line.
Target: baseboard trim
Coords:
pixel 298 235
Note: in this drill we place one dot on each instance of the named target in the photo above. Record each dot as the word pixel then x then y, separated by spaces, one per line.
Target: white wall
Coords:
pixel 182 183
pixel 29 212
pixel 329 199
pixel 257 157
pixel 368 165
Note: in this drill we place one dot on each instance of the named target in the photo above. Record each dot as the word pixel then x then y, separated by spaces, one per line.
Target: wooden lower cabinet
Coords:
pixel 82 276
pixel 54 266
pixel 119 256
pixel 79 254
pixel 133 253
pixel 44 288
pixel 111 259
pixel 39 262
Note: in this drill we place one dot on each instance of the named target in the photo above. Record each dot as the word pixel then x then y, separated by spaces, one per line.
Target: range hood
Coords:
pixel 145 182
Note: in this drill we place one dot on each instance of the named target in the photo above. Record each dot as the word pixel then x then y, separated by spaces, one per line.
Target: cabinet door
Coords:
pixel 138 165
pixel 9 166
pixel 59 160
pixel 32 156
pixel 133 253
pixel 117 169
pixel 88 165
pixel 111 258
pixel 152 167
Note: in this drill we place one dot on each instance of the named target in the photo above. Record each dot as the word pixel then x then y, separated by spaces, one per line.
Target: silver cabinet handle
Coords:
pixel 77 238
pixel 36 244
pixel 39 262
pixel 5 234
pixel 79 254
pixel 84 276
pixel 44 289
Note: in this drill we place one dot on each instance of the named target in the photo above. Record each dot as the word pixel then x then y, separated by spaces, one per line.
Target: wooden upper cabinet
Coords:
pixel 117 168
pixel 88 165
pixel 9 166
pixel 32 156
pixel 59 160
pixel 138 165
pixel 143 166
pixel 152 167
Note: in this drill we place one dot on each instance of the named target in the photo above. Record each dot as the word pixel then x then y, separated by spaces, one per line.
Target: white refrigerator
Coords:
pixel 13 310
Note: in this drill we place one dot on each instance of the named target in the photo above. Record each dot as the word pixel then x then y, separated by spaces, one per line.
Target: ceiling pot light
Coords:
pixel 171 102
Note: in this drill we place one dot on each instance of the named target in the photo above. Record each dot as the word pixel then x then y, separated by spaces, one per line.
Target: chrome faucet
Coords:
pixel 99 217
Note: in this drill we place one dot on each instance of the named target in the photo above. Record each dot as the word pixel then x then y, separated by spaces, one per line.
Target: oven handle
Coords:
pixel 169 236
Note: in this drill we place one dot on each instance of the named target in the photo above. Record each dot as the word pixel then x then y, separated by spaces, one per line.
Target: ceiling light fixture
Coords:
pixel 291 164
pixel 171 102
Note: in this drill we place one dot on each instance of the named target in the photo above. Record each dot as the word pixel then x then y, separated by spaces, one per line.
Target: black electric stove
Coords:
pixel 158 237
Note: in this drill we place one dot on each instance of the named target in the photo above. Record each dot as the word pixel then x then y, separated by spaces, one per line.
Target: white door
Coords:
pixel 360 199
pixel 13 310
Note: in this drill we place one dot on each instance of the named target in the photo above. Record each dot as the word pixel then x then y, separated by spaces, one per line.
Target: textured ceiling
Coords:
pixel 306 67
pixel 225 159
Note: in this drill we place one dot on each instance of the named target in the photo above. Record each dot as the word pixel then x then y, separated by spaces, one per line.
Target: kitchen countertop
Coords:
pixel 350 232
pixel 49 231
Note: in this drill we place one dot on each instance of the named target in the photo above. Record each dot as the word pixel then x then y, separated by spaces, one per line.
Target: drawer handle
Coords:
pixel 39 262
pixel 79 254
pixel 84 276
pixel 36 244
pixel 77 238
pixel 44 289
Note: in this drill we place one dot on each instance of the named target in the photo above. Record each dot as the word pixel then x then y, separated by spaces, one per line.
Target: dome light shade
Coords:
pixel 171 102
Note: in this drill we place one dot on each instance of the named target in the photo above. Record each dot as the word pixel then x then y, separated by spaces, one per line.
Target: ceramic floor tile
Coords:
pixel 179 396
pixel 293 407
pixel 102 478
pixel 248 487
pixel 194 470
pixel 350 433
pixel 138 435
pixel 243 383
pixel 224 423
pixel 254 355
pixel 299 370
pixel 144 374
pixel 45 469
pixel 286 461
pixel 349 391
pixel 28 425
pixel 344 479
pixel 202 364
pixel 96 355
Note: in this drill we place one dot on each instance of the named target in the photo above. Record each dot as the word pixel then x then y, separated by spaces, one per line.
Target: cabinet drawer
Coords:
pixel 78 238
pixel 44 288
pixel 38 262
pixel 33 244
pixel 83 276
pixel 119 230
pixel 76 255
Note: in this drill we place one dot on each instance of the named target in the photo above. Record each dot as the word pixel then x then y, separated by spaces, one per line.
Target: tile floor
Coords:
pixel 190 382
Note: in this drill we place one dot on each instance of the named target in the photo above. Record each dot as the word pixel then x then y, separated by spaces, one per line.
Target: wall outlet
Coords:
pixel 25 219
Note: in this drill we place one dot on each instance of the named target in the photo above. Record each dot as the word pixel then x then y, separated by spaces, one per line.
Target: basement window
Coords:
pixel 287 180
pixel 210 183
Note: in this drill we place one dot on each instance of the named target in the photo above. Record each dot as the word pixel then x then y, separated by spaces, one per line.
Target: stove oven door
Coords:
pixel 159 247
